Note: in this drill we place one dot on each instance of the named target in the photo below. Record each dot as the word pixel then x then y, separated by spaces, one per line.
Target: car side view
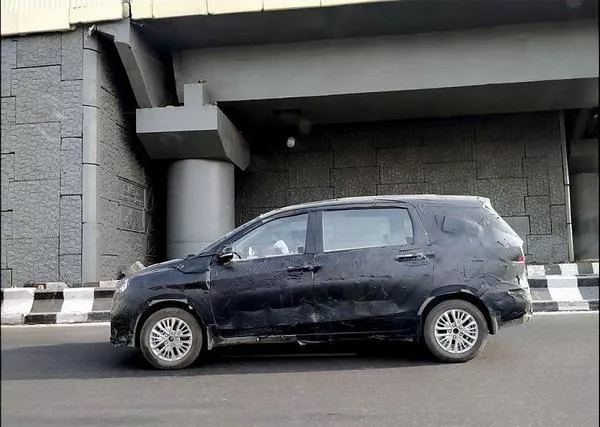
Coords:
pixel 442 270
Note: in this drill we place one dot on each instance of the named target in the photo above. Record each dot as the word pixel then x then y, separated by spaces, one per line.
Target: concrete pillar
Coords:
pixel 584 200
pixel 200 204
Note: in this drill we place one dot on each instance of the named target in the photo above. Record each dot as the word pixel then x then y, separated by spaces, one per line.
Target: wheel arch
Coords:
pixel 433 301
pixel 157 305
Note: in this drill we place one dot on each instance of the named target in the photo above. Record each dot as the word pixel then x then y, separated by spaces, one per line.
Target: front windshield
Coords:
pixel 215 245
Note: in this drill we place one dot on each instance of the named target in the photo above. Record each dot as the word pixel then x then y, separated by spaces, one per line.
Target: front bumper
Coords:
pixel 123 317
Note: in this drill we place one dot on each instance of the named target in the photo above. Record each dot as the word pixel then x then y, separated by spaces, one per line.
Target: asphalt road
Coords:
pixel 543 374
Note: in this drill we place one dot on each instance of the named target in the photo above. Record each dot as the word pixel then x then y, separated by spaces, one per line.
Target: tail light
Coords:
pixel 521 259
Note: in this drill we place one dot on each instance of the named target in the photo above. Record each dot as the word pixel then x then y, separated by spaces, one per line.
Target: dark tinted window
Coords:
pixel 364 228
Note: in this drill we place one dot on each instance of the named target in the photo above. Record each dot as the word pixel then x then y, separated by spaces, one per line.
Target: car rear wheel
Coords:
pixel 455 331
pixel 171 338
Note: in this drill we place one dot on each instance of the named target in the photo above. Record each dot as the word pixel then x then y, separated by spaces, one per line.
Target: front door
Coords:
pixel 374 264
pixel 267 289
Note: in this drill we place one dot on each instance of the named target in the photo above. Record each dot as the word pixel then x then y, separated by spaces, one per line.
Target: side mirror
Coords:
pixel 226 255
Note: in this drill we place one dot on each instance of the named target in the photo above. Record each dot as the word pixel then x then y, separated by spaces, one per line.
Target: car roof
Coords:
pixel 374 200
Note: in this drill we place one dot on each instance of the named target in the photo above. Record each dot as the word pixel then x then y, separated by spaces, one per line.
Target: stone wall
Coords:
pixel 515 160
pixel 41 147
pixel 44 96
pixel 125 190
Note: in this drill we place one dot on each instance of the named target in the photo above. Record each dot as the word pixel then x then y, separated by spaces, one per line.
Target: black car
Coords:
pixel 443 270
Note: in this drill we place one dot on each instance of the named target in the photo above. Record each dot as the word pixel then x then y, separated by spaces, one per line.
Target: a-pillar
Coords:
pixel 200 204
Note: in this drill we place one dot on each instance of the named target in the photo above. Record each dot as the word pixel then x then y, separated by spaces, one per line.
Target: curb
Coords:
pixel 55 286
pixel 71 305
pixel 568 269
pixel 565 306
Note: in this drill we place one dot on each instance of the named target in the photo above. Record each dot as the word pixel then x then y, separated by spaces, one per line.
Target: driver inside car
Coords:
pixel 278 247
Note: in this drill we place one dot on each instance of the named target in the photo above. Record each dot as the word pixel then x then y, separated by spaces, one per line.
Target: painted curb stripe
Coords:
pixel 569 269
pixel 540 294
pixel 590 293
pixel 582 281
pixel 563 288
pixel 17 301
pixel 77 303
pixel 99 316
pixel 71 317
pixel 535 271
pixel 564 269
pixel 588 281
pixel 36 318
pixel 544 306
pixel 573 305
pixel 47 305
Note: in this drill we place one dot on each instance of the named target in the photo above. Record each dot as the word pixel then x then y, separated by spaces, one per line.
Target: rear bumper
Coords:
pixel 511 306
pixel 526 318
pixel 516 308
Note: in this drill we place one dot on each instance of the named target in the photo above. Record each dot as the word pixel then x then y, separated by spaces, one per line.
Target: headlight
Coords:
pixel 122 285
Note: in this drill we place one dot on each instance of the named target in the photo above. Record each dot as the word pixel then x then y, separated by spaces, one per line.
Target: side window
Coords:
pixel 364 228
pixel 284 236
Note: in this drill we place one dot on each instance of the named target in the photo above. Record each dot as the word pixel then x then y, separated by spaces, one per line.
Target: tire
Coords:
pixel 172 351
pixel 471 340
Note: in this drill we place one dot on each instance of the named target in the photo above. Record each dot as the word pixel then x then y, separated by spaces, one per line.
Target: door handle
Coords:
pixel 410 256
pixel 307 267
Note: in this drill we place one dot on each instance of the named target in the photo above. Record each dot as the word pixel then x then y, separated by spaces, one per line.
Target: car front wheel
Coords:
pixel 455 331
pixel 171 338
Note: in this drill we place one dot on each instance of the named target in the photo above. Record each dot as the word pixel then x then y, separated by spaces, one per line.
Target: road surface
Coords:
pixel 543 374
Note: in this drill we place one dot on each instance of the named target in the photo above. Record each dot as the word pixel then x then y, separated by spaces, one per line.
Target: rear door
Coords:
pixel 374 269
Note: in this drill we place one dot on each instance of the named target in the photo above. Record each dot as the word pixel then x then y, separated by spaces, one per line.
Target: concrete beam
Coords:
pixel 194 131
pixel 449 59
pixel 145 69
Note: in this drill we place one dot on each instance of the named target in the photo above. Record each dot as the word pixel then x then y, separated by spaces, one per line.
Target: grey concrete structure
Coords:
pixel 585 204
pixel 537 58
pixel 133 141
pixel 200 204
pixel 585 198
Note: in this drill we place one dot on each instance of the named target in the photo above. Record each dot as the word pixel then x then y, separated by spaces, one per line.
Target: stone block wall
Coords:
pixel 515 160
pixel 41 149
pixel 45 148
pixel 124 186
